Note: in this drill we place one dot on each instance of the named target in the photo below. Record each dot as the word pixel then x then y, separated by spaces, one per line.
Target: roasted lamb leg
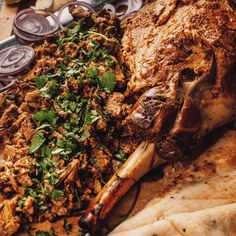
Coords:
pixel 182 58
pixel 186 68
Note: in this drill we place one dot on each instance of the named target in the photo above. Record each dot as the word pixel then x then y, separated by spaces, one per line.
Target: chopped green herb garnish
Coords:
pixel 84 136
pixel 93 74
pixel 108 81
pixel 37 142
pixel 32 193
pixel 41 81
pixel 56 194
pixel 44 126
pixel 71 121
pixel 110 62
pixel 41 233
pixel 46 116
pixel 51 89
pixel 44 233
pixel 21 202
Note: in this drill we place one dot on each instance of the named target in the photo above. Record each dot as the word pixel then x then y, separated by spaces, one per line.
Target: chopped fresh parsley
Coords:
pixel 56 194
pixel 110 62
pixel 50 89
pixel 108 81
pixel 48 116
pixel 84 136
pixel 37 142
pixel 41 81
pixel 41 233
pixel 44 233
pixel 21 202
pixel 71 34
pixel 93 74
pixel 32 193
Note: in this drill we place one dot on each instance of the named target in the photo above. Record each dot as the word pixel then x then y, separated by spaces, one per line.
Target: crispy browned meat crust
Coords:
pixel 182 58
pixel 181 55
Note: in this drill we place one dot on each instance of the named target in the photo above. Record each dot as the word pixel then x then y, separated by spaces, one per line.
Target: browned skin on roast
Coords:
pixel 183 63
pixel 182 58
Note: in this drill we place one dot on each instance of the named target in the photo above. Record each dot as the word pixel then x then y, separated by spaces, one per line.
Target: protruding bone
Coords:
pixel 138 164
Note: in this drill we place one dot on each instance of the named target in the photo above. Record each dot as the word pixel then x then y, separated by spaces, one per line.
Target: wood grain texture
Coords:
pixel 7 14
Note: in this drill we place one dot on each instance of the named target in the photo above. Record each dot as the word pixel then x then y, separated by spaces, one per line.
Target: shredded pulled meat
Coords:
pixel 61 126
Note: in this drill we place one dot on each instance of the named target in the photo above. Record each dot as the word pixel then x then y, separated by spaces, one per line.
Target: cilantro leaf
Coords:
pixel 110 62
pixel 32 193
pixel 65 144
pixel 51 90
pixel 80 80
pixel 92 117
pixel 41 81
pixel 72 34
pixel 45 152
pixel 73 105
pixel 108 81
pixel 21 202
pixel 44 233
pixel 61 151
pixel 76 29
pixel 56 194
pixel 37 142
pixel 92 72
pixel 41 233
pixel 84 136
pixel 44 126
pixel 46 116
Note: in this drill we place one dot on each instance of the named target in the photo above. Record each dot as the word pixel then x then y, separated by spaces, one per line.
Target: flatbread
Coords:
pixel 217 221
pixel 208 183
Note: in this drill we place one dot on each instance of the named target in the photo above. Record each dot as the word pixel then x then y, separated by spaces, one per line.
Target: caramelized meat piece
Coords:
pixel 8 115
pixel 116 106
pixel 182 59
pixel 9 223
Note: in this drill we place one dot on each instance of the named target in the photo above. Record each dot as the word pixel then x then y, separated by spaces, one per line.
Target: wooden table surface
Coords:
pixel 6 19
pixel 7 14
